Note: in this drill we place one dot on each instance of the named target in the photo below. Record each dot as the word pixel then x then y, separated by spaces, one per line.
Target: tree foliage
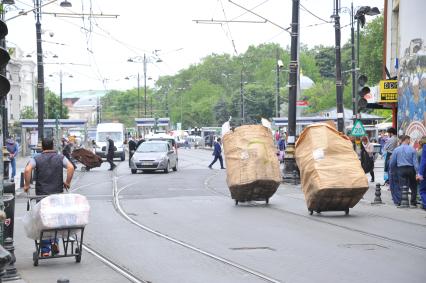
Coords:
pixel 27 113
pixel 207 93
pixel 52 106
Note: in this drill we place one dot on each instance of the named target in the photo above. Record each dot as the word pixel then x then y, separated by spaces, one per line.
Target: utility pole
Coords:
pixel 40 74
pixel 353 71
pixel 242 97
pixel 60 95
pixel 290 166
pixel 277 94
pixel 339 84
pixel 139 98
pixel 144 78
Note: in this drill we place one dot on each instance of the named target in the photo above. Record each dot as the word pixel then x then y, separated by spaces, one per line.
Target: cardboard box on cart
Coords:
pixel 331 175
pixel 252 166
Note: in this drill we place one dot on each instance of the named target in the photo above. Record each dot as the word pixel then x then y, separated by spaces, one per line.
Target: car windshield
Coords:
pixel 115 136
pixel 152 147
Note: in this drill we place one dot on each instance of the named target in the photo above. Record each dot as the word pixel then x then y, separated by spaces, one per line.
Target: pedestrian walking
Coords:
pixel 66 151
pixel 217 153
pixel 404 158
pixel 421 176
pixel 367 157
pixel 390 145
pixel 49 180
pixel 13 150
pixel 132 148
pixel 109 152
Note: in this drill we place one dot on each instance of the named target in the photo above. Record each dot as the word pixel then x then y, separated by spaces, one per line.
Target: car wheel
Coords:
pixel 175 168
pixel 167 168
pixel 134 171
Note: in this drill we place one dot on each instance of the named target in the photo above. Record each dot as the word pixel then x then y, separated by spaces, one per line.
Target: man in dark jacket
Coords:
pixel 49 180
pixel 110 153
pixel 132 148
pixel 217 153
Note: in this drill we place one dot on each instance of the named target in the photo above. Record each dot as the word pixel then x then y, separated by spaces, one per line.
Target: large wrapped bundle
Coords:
pixel 86 157
pixel 54 212
pixel 253 171
pixel 331 174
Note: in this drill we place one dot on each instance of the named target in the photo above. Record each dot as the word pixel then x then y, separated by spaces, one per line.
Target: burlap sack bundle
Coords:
pixel 253 171
pixel 330 172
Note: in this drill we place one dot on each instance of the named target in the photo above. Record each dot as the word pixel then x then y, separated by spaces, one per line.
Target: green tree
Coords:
pixel 52 106
pixel 371 50
pixel 27 113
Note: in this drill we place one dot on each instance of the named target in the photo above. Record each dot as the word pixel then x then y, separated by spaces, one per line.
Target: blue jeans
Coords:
pixel 46 244
pixel 422 192
pixel 13 164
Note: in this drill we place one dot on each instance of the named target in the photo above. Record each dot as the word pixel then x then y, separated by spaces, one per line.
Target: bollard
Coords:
pixel 404 197
pixel 11 272
pixel 63 281
pixel 378 195
pixel 5 258
pixel 21 181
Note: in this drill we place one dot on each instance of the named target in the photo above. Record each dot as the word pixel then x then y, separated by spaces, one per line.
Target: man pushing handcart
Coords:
pixel 54 215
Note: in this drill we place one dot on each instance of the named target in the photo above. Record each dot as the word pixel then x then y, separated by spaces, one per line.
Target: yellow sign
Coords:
pixel 388 91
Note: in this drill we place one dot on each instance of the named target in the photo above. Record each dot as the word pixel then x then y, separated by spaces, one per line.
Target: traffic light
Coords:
pixel 363 90
pixel 4 59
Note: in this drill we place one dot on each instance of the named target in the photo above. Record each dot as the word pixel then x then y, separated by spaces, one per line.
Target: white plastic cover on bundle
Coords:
pixel 56 211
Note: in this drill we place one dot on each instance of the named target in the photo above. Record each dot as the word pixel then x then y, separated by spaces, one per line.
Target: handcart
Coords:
pixel 71 238
pixel 87 158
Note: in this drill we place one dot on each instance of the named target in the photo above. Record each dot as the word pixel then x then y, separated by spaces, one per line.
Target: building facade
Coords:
pixel 21 74
pixel 406 59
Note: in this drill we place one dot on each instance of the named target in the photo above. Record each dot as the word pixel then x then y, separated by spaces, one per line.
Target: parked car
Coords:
pixel 154 155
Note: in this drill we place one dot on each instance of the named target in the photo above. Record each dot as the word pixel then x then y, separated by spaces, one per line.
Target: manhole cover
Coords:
pixel 365 247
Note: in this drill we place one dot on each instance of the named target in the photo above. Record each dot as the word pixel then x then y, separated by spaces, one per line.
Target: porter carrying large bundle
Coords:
pixel 253 171
pixel 331 175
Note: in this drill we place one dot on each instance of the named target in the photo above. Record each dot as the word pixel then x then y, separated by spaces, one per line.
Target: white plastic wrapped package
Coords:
pixel 56 211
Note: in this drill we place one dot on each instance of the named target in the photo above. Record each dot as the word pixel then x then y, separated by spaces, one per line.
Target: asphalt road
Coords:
pixel 184 227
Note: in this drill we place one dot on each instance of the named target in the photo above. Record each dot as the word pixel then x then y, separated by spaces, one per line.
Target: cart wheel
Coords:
pixel 267 201
pixel 236 202
pixel 311 212
pixel 77 257
pixel 347 211
pixel 35 258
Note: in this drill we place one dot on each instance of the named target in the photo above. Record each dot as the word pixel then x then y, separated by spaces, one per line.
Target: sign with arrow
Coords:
pixel 358 129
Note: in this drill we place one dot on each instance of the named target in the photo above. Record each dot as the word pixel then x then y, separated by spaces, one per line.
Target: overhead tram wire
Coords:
pixel 229 29
pixel 251 9
pixel 314 15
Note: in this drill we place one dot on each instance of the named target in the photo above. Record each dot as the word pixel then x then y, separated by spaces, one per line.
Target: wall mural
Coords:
pixel 412 91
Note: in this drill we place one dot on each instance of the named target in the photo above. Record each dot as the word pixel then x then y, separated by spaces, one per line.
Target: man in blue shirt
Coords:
pixel 13 149
pixel 217 153
pixel 404 159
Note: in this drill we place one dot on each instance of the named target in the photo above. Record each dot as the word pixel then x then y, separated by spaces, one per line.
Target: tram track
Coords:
pixel 359 231
pixel 119 209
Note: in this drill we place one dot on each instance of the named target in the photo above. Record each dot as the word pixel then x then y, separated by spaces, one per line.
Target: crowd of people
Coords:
pixel 404 165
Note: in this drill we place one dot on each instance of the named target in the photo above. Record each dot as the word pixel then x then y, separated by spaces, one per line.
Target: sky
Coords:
pixel 95 50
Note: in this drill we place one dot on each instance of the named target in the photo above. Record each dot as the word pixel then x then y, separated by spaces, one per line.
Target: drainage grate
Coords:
pixel 252 248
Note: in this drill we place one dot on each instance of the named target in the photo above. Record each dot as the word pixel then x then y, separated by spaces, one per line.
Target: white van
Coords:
pixel 116 132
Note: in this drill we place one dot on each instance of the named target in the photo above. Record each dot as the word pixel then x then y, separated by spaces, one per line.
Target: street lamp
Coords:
pixel 145 59
pixel 139 100
pixel 280 65
pixel 40 68
pixel 60 90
